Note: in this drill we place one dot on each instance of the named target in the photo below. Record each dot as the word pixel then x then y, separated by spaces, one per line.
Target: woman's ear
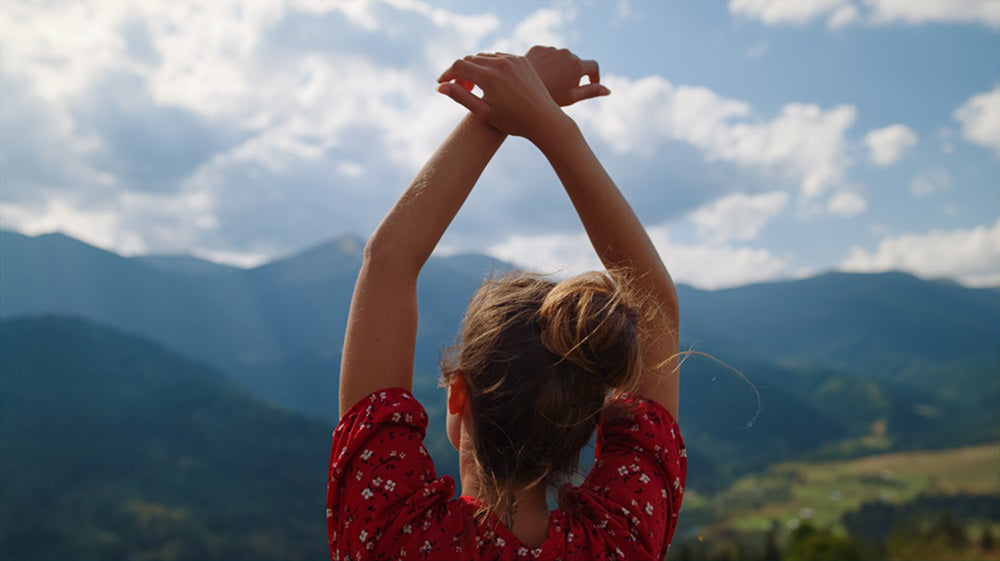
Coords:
pixel 458 395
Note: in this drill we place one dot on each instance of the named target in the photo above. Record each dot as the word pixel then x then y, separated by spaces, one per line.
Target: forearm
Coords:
pixel 623 245
pixel 614 230
pixel 411 230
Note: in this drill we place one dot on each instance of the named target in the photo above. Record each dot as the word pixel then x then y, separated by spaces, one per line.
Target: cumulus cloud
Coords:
pixel 794 12
pixel 839 13
pixel 979 118
pixel 544 27
pixel 708 266
pixel 235 128
pixel 970 256
pixel 984 12
pixel 739 216
pixel 887 145
pixel 803 143
pixel 846 204
pixel 929 182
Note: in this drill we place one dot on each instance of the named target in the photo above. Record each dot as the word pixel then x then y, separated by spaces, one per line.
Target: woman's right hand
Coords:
pixel 561 71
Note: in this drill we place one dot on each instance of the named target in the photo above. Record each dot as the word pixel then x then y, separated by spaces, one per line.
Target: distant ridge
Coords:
pixel 183 264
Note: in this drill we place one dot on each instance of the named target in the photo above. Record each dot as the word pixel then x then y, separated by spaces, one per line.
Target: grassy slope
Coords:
pixel 822 491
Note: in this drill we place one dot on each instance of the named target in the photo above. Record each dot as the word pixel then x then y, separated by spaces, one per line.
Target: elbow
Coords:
pixel 387 258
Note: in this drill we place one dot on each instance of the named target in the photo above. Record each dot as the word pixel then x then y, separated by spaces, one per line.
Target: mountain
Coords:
pixel 877 325
pixel 842 363
pixel 182 264
pixel 112 446
pixel 276 329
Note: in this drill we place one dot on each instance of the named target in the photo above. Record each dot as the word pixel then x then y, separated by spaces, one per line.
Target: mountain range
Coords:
pixel 831 366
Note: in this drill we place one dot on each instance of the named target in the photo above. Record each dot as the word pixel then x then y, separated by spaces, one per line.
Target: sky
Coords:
pixel 756 140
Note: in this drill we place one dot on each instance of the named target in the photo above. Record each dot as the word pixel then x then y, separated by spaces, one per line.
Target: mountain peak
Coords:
pixel 343 253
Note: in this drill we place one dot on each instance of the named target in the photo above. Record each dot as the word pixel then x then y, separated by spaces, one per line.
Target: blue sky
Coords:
pixel 757 140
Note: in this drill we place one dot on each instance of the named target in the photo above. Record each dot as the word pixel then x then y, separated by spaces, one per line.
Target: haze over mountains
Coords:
pixel 844 364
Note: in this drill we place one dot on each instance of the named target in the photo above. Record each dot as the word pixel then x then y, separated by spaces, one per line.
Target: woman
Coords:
pixel 538 367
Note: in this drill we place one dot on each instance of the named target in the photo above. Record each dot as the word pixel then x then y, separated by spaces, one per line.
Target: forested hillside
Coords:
pixel 112 447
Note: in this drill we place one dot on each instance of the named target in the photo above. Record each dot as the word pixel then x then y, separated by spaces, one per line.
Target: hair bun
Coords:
pixel 586 321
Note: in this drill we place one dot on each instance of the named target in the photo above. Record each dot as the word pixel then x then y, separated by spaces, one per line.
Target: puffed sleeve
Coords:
pixel 380 474
pixel 634 491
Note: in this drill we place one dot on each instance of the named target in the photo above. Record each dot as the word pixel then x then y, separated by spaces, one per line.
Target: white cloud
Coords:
pixel 738 216
pixel 290 115
pixel 757 50
pixel 930 181
pixel 846 204
pixel 839 13
pixel 707 266
pixel 543 27
pixel 979 118
pixel 842 16
pixel 794 12
pixel 985 12
pixel 971 256
pixel 804 142
pixel 887 145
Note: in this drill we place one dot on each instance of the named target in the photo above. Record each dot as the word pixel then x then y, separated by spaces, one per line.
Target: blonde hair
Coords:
pixel 539 360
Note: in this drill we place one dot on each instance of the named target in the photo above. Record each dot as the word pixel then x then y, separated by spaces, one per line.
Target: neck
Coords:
pixel 527 516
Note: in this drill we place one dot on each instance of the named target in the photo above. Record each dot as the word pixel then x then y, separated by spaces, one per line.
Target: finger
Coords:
pixel 463 69
pixel 592 70
pixel 589 90
pixel 465 98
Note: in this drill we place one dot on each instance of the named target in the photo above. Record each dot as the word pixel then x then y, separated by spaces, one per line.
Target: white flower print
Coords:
pixel 367 493
pixel 377 482
pixel 390 485
pixel 407 529
pixel 396 417
pixel 501 542
pixel 644 478
pixel 649 509
pixel 363 536
pixel 523 552
pixel 622 470
pixel 366 454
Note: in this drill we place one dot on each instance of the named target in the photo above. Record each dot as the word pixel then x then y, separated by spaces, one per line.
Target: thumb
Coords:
pixel 590 90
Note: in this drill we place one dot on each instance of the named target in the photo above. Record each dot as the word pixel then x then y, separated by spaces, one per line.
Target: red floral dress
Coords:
pixel 384 500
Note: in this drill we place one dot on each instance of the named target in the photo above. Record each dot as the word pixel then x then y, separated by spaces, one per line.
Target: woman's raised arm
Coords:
pixel 382 324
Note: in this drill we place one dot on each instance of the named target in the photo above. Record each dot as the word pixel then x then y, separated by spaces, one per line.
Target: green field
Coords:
pixel 821 492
